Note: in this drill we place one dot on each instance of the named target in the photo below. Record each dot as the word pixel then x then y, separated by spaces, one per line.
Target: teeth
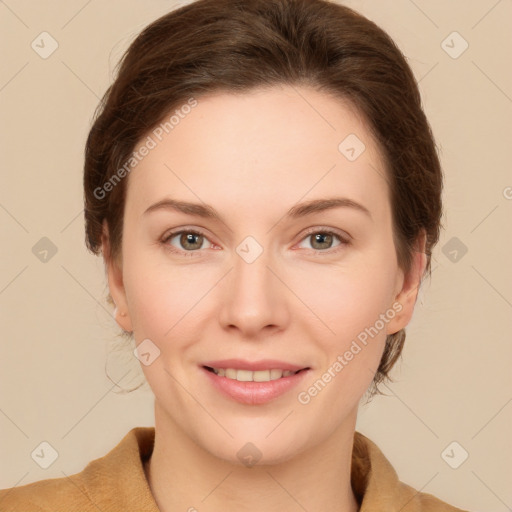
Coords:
pixel 249 376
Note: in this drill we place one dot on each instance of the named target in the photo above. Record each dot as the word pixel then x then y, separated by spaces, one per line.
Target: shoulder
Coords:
pixel 377 486
pixel 115 481
pixel 55 494
pixel 414 501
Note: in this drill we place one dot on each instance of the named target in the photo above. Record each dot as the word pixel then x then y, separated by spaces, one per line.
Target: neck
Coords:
pixel 184 476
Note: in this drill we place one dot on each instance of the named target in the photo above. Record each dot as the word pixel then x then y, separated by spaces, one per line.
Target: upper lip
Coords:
pixel 263 364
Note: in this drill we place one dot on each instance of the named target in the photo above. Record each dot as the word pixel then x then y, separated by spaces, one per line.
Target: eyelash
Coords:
pixel 324 231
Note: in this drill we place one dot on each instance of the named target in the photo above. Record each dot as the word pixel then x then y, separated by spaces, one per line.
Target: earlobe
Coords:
pixel 123 320
pixel 405 299
pixel 115 283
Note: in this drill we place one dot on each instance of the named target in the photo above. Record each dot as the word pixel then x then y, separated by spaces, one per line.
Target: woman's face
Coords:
pixel 318 288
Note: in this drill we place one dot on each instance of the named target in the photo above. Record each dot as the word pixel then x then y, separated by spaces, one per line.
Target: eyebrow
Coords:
pixel 299 210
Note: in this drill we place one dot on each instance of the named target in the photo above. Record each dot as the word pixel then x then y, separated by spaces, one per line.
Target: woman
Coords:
pixel 264 188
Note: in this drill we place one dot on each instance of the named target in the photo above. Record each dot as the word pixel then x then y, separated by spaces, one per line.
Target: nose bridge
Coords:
pixel 253 297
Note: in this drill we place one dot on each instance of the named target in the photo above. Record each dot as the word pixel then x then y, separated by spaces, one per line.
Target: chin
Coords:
pixel 258 448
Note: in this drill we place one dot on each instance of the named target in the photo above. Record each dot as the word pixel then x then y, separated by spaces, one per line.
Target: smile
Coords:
pixel 252 376
pixel 253 387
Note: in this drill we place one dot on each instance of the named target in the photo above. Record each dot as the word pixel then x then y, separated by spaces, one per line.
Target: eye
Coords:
pixel 322 239
pixel 187 241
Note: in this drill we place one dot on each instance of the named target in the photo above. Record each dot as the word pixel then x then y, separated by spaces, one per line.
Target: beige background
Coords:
pixel 454 383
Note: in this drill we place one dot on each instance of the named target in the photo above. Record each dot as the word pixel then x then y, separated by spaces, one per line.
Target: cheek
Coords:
pixel 350 303
pixel 339 300
pixel 350 336
pixel 346 300
pixel 163 297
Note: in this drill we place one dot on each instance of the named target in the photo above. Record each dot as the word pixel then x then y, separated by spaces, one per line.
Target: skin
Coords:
pixel 252 156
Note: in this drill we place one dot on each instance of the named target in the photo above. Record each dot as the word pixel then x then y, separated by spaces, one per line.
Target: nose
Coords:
pixel 253 298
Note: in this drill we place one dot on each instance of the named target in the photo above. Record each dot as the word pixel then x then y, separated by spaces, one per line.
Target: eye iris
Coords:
pixel 191 240
pixel 187 239
pixel 322 238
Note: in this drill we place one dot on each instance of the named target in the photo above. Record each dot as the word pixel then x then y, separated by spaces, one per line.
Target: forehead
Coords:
pixel 261 148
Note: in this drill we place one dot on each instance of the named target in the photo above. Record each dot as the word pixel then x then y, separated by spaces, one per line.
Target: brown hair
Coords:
pixel 237 45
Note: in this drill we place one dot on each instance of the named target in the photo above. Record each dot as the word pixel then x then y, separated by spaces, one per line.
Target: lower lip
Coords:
pixel 254 393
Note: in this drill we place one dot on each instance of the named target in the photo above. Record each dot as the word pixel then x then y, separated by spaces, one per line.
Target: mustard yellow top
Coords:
pixel 116 482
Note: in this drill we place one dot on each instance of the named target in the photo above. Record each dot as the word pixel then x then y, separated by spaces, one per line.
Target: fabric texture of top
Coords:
pixel 117 482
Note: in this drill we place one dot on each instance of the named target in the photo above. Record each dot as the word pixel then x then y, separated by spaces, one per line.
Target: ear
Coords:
pixel 114 273
pixel 407 287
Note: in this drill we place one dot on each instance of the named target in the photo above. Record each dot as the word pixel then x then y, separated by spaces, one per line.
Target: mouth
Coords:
pixel 253 387
pixel 253 376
